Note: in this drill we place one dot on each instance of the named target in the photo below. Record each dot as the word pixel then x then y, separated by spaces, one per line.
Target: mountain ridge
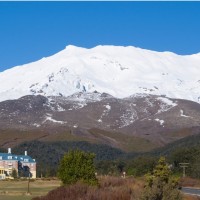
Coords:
pixel 116 70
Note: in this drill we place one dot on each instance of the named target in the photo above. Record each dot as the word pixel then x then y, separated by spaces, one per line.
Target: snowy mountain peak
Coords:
pixel 116 70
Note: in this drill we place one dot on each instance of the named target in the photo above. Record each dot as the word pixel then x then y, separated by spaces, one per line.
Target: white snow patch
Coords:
pixel 160 121
pixel 167 101
pixel 36 125
pixel 60 109
pixel 105 112
pixel 149 103
pixel 79 105
pixel 53 105
pixel 182 115
pixel 108 107
pixel 75 126
pixel 85 97
pixel 129 116
pixel 166 104
pixel 49 118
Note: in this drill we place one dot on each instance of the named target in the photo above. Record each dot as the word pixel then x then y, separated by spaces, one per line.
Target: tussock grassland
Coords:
pixel 110 188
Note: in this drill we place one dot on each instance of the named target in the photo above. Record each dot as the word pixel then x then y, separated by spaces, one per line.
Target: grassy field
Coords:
pixel 17 190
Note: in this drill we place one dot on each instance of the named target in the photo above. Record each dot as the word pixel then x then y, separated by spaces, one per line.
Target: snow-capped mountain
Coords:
pixel 121 92
pixel 118 71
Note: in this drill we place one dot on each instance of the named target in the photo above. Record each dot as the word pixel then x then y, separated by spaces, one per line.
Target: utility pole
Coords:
pixel 184 165
pixel 28 189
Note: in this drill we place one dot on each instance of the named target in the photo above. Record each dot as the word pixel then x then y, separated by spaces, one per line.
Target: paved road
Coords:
pixel 192 191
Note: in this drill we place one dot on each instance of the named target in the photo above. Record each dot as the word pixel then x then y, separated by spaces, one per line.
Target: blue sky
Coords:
pixel 32 30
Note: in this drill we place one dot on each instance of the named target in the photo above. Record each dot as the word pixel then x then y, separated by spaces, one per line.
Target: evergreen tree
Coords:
pixel 77 166
pixel 160 184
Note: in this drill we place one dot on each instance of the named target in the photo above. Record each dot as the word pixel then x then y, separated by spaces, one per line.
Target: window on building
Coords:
pixel 26 160
pixel 9 157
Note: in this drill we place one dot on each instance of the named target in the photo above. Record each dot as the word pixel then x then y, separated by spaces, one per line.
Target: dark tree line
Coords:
pixel 48 155
pixel 113 161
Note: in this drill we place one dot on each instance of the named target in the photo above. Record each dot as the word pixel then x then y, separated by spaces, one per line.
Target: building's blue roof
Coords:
pixel 5 156
pixel 21 158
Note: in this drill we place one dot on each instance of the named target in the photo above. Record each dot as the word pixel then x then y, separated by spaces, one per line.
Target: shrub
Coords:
pixel 14 173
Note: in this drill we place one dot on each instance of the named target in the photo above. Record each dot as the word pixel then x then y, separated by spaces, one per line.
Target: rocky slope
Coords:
pixel 156 118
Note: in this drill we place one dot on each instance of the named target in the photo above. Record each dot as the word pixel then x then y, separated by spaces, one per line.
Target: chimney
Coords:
pixel 25 153
pixel 9 150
